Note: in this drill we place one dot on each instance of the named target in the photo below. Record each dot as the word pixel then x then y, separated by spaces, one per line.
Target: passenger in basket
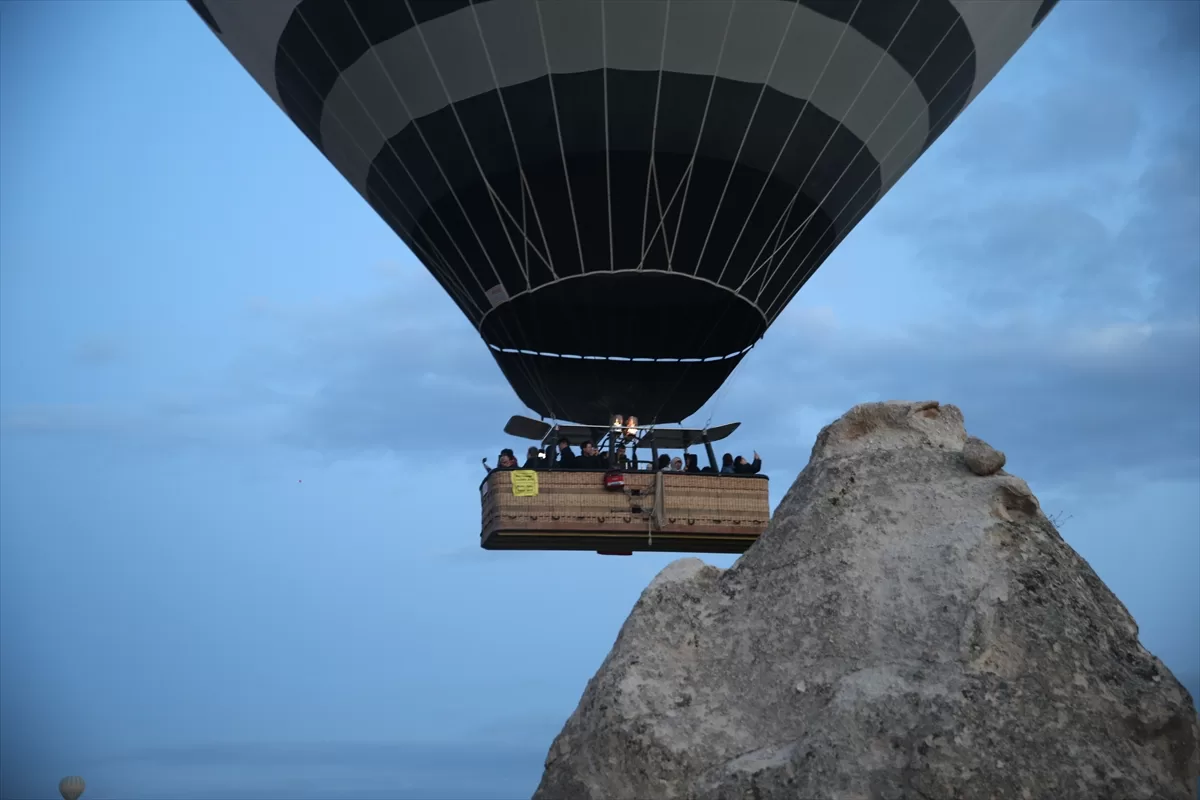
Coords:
pixel 664 463
pixel 676 464
pixel 622 460
pixel 590 457
pixel 742 468
pixel 727 464
pixel 566 458
pixel 534 459
pixel 507 460
pixel 692 464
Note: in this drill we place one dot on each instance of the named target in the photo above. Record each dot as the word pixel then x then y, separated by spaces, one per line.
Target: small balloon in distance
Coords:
pixel 71 787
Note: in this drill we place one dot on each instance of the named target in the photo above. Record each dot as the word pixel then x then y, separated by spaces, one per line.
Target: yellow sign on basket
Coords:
pixel 524 483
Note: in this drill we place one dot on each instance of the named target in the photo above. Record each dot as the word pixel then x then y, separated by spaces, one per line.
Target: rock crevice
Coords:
pixel 911 625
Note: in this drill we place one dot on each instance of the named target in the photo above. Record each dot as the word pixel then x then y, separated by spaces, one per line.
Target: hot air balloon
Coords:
pixel 71 787
pixel 622 196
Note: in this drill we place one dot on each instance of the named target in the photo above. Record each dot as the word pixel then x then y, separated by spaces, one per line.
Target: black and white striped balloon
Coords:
pixel 622 196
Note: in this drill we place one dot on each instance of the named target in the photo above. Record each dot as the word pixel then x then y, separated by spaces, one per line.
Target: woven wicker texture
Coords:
pixel 579 501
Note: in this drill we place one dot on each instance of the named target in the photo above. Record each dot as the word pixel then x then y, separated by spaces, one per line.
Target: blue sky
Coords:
pixel 225 568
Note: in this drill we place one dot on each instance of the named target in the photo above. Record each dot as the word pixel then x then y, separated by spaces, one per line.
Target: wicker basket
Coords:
pixel 573 510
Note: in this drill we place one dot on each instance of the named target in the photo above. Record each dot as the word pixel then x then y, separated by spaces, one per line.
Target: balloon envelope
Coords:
pixel 622 196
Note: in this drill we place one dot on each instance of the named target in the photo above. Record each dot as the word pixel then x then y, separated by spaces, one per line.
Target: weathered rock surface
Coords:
pixel 904 629
pixel 981 457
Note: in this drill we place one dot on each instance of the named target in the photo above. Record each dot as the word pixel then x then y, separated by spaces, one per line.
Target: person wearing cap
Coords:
pixel 507 460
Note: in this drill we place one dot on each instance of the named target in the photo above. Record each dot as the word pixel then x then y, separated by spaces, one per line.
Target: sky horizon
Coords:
pixel 221 575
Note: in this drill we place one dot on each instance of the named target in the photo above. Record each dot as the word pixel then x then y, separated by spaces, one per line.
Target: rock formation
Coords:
pixel 981 458
pixel 904 629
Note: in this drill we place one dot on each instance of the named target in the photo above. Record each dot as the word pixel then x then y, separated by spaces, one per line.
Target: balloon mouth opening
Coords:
pixel 648 316
pixel 725 357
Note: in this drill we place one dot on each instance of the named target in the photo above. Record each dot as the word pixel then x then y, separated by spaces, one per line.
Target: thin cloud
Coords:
pixel 482 769
pixel 99 351
pixel 1070 404
pixel 391 755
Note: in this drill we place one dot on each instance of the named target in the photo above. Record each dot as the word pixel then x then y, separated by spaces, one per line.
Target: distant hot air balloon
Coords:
pixel 71 787
pixel 623 196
